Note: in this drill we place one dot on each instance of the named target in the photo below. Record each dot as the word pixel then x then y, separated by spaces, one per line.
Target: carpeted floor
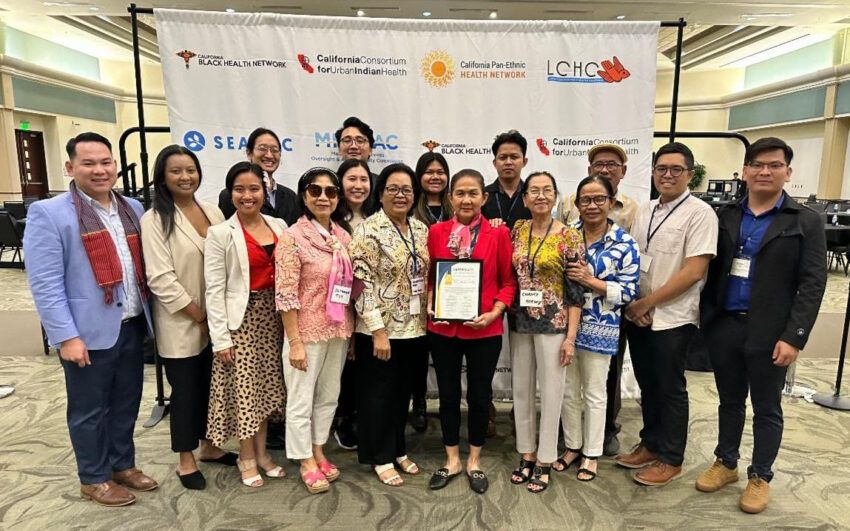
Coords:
pixel 39 488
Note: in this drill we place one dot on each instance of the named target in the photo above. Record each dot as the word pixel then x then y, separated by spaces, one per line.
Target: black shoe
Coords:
pixel 478 481
pixel 193 481
pixel 611 446
pixel 441 478
pixel 346 435
pixel 226 459
pixel 418 420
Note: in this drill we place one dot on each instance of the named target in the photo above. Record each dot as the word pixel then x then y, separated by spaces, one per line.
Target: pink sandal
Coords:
pixel 329 469
pixel 311 478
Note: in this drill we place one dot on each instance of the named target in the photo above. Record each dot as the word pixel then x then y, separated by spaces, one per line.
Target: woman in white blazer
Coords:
pixel 173 235
pixel 247 335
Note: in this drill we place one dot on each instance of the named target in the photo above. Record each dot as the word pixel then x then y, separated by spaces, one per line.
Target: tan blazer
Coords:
pixel 175 271
pixel 228 278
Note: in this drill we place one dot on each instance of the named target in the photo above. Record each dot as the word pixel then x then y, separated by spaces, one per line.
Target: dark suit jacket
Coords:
pixel 789 277
pixel 286 205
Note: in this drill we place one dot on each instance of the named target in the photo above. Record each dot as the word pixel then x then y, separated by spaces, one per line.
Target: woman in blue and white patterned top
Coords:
pixel 610 272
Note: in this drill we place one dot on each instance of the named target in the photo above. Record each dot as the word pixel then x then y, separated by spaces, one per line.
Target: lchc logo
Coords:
pixel 194 140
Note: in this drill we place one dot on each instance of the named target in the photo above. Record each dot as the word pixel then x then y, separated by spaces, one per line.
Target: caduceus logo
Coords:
pixel 430 145
pixel 186 55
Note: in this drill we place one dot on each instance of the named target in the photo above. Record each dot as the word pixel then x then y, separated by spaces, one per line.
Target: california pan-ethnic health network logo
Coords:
pixel 566 71
pixel 438 68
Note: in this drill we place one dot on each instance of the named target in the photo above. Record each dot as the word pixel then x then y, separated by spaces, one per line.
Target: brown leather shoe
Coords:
pixel 657 474
pixel 133 478
pixel 639 457
pixel 755 497
pixel 716 477
pixel 108 494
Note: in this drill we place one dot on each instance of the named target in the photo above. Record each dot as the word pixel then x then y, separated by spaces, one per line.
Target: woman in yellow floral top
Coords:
pixel 389 255
pixel 544 322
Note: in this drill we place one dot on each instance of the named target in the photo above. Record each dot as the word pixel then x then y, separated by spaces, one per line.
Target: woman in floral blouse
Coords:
pixel 544 321
pixel 389 253
pixel 610 273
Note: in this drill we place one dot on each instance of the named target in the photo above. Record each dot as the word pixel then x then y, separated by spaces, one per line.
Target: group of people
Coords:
pixel 314 308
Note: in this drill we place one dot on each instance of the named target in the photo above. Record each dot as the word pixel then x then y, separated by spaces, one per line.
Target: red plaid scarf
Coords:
pixel 101 250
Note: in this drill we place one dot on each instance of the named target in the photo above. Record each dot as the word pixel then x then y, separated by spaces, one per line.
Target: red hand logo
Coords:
pixel 541 145
pixel 613 72
pixel 305 63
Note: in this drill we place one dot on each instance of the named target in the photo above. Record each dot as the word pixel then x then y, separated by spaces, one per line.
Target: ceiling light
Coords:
pixel 361 13
pixel 621 17
pixel 426 13
pixel 230 10
pixel 494 14
pixel 781 49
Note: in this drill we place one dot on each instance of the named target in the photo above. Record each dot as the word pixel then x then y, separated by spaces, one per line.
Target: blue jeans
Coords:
pixel 103 404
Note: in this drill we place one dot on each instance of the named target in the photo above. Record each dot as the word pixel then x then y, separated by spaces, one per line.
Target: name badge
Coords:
pixel 341 294
pixel 645 262
pixel 530 298
pixel 414 305
pixel 741 267
pixel 417 286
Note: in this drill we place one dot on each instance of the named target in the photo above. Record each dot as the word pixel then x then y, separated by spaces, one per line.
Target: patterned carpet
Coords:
pixel 39 488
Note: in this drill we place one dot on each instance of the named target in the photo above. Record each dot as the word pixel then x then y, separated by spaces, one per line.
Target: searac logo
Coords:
pixel 304 61
pixel 194 140
pixel 186 55
pixel 562 71
pixel 438 68
pixel 541 145
pixel 386 142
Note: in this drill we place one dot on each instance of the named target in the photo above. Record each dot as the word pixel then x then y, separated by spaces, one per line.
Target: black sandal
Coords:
pixel 587 471
pixel 563 464
pixel 523 465
pixel 536 480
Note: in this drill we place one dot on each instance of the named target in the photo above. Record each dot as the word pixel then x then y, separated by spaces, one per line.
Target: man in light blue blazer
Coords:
pixel 86 272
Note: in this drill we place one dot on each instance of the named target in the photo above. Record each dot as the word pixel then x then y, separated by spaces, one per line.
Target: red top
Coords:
pixel 499 281
pixel 260 263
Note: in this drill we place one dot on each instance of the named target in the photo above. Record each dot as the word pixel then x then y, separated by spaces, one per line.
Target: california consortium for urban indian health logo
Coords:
pixel 194 140
pixel 186 55
pixel 438 68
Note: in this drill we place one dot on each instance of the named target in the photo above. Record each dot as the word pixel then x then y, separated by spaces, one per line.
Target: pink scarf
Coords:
pixel 341 275
pixel 460 239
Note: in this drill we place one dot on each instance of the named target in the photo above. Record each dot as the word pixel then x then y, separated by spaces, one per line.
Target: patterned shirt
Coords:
pixel 615 258
pixel 382 260
pixel 550 277
pixel 623 213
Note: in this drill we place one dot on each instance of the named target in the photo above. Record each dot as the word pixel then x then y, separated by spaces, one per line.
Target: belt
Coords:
pixel 130 319
pixel 736 314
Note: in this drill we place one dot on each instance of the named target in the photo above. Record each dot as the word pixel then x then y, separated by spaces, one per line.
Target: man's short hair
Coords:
pixel 363 127
pixel 673 148
pixel 511 137
pixel 768 143
pixel 71 146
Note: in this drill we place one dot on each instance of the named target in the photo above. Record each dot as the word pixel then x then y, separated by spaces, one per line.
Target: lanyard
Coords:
pixel 528 256
pixel 434 219
pixel 412 251
pixel 650 235
pixel 513 204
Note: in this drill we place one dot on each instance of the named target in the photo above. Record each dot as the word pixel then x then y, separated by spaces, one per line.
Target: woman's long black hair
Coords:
pixel 163 201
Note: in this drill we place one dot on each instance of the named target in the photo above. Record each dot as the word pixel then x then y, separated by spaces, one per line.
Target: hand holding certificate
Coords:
pixel 457 290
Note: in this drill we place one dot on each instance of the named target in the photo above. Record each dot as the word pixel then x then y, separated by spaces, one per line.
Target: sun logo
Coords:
pixel 438 68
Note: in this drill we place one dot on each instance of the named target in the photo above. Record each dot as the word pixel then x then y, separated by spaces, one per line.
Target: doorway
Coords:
pixel 32 164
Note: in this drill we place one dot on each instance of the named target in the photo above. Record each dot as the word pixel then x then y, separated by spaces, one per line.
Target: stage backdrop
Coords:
pixel 450 86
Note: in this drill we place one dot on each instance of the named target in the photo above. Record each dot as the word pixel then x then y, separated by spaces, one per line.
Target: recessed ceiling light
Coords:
pixel 621 17
pixel 361 13
pixel 426 13
pixel 494 14
pixel 230 10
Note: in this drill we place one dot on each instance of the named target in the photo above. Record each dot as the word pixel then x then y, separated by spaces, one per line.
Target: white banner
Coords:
pixel 564 85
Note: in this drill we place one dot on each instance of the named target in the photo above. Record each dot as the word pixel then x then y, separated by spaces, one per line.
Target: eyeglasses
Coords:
pixel 359 140
pixel 608 165
pixel 546 192
pixel 315 190
pixel 597 200
pixel 675 171
pixel 268 149
pixel 406 191
pixel 772 166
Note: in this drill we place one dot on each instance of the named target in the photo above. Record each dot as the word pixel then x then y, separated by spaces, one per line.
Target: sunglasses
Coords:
pixel 316 191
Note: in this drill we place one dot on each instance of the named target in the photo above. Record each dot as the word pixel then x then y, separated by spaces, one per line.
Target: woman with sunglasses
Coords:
pixel 390 257
pixel 609 271
pixel 312 291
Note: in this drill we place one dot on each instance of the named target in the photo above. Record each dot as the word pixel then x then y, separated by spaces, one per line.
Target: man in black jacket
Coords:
pixel 759 305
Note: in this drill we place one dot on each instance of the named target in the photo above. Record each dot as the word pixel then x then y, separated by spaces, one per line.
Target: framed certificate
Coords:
pixel 457 290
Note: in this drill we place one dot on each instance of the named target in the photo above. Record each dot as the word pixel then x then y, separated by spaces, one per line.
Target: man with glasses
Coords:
pixel 609 161
pixel 760 304
pixel 355 140
pixel 677 237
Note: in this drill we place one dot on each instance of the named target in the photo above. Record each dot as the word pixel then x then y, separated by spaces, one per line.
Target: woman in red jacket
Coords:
pixel 469 235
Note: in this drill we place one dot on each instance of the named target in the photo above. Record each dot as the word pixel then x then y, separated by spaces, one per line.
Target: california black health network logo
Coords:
pixel 186 55
pixel 566 71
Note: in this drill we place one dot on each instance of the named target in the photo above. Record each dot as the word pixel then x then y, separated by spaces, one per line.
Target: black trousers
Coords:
pixel 481 355
pixel 738 372
pixel 346 407
pixel 659 362
pixel 420 375
pixel 189 379
pixel 612 385
pixel 383 396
